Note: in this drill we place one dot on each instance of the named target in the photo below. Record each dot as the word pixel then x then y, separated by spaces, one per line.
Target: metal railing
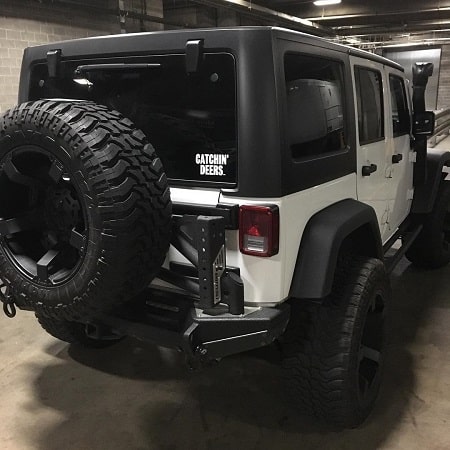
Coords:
pixel 442 127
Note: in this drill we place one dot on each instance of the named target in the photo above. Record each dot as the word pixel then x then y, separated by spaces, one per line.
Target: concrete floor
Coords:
pixel 444 144
pixel 137 396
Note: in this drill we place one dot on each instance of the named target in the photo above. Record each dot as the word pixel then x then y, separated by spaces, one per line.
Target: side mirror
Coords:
pixel 423 124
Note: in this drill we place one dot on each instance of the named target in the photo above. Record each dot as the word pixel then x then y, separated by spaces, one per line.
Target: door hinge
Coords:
pixel 412 157
pixel 409 194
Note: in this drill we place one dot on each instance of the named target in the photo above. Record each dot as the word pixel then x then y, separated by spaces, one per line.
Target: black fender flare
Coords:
pixel 425 194
pixel 321 241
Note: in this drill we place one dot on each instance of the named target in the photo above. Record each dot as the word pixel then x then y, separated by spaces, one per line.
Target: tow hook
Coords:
pixel 199 359
pixel 9 308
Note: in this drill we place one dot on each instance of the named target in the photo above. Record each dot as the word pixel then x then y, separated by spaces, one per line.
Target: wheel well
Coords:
pixel 425 193
pixel 361 242
pixel 347 225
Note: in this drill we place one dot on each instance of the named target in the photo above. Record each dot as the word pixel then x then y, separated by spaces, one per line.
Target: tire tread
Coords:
pixel 126 184
pixel 318 345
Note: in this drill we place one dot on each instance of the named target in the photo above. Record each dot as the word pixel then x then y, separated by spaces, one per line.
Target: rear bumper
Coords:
pixel 171 320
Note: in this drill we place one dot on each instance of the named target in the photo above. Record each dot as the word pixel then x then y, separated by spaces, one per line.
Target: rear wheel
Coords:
pixel 84 208
pixel 333 352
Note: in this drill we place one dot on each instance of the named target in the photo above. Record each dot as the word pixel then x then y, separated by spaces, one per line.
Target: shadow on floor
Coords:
pixel 137 396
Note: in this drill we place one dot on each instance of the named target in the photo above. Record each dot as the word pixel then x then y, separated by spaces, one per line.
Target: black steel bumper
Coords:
pixel 171 320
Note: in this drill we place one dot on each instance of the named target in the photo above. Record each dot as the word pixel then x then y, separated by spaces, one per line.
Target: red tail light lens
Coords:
pixel 259 230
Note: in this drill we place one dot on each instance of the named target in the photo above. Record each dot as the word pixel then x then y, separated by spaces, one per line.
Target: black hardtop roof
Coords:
pixel 96 43
pixel 284 32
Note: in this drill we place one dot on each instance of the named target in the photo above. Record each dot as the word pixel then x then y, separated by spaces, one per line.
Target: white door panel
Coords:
pixel 401 180
pixel 374 150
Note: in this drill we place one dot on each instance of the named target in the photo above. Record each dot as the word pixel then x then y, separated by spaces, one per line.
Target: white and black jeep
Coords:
pixel 217 190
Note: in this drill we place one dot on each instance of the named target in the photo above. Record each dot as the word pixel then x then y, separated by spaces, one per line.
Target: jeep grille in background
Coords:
pixel 189 118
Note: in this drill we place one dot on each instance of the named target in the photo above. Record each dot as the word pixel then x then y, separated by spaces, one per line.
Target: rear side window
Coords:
pixel 369 95
pixel 400 111
pixel 190 119
pixel 315 109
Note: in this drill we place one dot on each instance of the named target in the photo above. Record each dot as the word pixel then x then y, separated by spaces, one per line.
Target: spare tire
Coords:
pixel 75 333
pixel 84 208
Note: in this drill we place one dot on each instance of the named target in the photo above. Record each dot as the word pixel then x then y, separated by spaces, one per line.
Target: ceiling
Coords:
pixel 363 23
pixel 368 24
pixel 374 22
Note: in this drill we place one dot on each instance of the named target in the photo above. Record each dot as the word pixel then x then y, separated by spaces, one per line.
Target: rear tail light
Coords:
pixel 259 230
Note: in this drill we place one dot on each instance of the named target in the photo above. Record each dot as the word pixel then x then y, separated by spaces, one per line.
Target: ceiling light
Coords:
pixel 326 2
pixel 83 82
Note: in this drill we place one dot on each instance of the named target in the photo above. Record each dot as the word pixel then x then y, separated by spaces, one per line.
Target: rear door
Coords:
pixel 374 157
pixel 402 162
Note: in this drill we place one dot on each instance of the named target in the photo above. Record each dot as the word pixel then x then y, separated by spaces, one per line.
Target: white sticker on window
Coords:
pixel 211 164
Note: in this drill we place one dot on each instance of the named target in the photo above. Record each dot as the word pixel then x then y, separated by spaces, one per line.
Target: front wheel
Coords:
pixel 334 351
pixel 431 249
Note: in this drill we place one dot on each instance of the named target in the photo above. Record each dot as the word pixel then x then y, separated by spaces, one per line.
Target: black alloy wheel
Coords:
pixel 45 230
pixel 369 356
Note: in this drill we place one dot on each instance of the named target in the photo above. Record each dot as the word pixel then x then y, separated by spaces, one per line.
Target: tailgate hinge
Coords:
pixel 54 62
pixel 211 258
pixel 194 55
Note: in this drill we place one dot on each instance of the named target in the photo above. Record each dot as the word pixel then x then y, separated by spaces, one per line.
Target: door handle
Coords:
pixel 397 158
pixel 368 170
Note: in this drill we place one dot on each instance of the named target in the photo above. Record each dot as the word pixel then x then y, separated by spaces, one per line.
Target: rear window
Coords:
pixel 189 118
pixel 400 112
pixel 315 96
pixel 369 96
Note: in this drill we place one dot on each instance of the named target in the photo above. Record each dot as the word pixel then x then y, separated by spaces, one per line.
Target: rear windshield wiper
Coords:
pixel 85 68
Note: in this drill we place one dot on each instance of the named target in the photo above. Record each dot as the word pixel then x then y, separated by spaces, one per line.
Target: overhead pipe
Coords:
pixel 116 12
pixel 250 9
pixel 261 12
pixel 387 14
pixel 386 29
pixel 242 6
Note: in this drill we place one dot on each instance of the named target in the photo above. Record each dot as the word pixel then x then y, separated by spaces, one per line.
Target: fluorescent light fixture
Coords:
pixel 353 40
pixel 326 2
pixel 83 82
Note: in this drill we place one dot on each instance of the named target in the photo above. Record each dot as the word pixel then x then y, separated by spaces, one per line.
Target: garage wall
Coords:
pixel 407 58
pixel 26 23
pixel 194 16
pixel 444 79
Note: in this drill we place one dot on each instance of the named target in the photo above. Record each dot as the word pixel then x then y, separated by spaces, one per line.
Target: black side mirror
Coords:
pixel 423 124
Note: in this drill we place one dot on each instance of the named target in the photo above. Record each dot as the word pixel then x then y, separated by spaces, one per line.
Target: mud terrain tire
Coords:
pixel 84 208
pixel 334 351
